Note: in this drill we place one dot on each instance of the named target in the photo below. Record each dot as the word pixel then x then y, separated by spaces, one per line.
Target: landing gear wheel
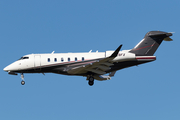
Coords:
pixel 22 77
pixel 22 82
pixel 91 81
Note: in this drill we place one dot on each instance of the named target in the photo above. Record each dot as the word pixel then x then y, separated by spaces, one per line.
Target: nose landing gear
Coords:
pixel 22 77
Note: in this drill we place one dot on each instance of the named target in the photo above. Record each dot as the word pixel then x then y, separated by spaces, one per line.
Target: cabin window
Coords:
pixel 55 59
pixel 75 58
pixel 62 59
pixel 82 58
pixel 24 58
pixel 48 59
pixel 69 59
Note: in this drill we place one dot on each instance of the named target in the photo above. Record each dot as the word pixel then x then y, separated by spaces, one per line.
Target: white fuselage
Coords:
pixel 35 61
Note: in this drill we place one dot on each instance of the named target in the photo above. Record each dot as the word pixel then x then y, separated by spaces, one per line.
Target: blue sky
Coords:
pixel 149 91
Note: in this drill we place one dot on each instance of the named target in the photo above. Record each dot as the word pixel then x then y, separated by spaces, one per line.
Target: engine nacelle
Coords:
pixel 124 56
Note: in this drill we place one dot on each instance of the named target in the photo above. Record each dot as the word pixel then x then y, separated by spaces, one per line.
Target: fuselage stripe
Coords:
pixel 154 58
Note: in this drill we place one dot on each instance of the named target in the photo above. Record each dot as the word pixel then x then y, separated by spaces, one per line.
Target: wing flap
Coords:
pixel 78 70
pixel 107 64
pixel 103 67
pixel 97 71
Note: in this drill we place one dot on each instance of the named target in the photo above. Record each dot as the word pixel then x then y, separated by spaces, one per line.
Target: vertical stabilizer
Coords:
pixel 150 43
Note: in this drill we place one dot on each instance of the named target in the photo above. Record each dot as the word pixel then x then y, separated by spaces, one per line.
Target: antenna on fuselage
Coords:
pixel 53 52
pixel 90 51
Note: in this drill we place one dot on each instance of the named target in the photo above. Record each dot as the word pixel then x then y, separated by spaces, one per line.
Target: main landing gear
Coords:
pixel 91 80
pixel 22 77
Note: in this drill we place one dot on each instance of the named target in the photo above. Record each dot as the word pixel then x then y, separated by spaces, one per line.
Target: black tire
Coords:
pixel 22 82
pixel 91 83
pixel 91 79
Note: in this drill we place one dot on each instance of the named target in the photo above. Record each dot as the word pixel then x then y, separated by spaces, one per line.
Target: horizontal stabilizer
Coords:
pixel 167 39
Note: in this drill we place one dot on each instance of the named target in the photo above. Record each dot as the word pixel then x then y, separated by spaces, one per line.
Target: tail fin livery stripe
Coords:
pixel 144 47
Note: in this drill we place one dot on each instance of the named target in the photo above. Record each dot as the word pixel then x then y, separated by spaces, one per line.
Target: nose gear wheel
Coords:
pixel 22 77
pixel 22 82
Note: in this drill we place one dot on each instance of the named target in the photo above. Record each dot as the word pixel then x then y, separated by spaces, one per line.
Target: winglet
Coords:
pixel 116 51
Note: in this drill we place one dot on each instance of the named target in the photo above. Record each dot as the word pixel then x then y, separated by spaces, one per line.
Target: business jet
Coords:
pixel 92 65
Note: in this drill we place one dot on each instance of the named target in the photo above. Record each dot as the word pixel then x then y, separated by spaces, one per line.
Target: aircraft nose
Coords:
pixel 15 66
pixel 6 69
pixel 11 67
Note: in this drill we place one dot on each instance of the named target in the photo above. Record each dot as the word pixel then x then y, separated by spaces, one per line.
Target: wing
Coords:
pixel 97 66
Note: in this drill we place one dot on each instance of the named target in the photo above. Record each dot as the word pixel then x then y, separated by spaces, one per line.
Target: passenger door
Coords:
pixel 37 62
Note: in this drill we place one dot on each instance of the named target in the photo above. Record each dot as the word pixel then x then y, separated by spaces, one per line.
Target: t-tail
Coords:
pixel 150 43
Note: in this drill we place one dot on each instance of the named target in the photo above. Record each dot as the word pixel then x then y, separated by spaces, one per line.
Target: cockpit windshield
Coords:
pixel 23 58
